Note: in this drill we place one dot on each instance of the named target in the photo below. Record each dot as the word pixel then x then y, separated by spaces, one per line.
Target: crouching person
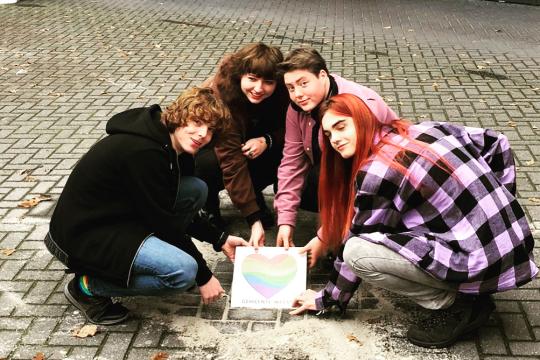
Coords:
pixel 124 221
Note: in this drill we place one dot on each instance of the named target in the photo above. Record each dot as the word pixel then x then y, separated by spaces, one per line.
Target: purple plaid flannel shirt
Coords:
pixel 467 229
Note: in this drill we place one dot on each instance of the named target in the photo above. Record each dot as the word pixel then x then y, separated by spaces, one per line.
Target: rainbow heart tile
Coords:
pixel 268 276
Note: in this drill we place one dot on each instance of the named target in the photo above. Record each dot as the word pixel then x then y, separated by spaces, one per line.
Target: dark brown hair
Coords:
pixel 303 59
pixel 258 59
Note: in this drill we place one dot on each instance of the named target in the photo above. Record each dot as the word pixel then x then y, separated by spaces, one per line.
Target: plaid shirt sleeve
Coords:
pixel 374 203
pixel 340 288
pixel 495 150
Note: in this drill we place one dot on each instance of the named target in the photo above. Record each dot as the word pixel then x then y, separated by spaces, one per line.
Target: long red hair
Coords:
pixel 337 175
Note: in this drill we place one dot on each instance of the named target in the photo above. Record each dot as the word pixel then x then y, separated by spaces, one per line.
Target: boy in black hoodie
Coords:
pixel 124 219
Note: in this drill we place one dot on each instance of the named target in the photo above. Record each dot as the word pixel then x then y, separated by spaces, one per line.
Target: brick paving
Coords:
pixel 67 66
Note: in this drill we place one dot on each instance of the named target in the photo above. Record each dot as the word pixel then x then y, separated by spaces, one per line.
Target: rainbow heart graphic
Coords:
pixel 268 276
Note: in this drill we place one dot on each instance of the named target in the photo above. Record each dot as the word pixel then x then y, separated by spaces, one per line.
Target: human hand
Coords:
pixel 230 246
pixel 303 302
pixel 253 148
pixel 211 291
pixel 314 248
pixel 284 236
pixel 257 235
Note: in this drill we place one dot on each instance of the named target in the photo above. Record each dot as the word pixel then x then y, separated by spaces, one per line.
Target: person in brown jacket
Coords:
pixel 244 160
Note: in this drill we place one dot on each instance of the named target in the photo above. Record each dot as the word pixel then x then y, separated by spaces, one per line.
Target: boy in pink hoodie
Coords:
pixel 309 83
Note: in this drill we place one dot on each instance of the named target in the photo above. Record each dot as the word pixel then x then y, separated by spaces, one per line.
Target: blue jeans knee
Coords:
pixel 192 194
pixel 181 278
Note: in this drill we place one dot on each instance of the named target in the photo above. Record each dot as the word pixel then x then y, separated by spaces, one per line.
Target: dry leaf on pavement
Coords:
pixel 85 331
pixel 535 200
pixel 29 203
pixel 39 356
pixel 529 162
pixel 435 86
pixel 353 338
pixel 7 252
pixel 160 356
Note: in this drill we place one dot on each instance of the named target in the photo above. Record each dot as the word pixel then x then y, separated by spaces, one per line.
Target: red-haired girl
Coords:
pixel 427 211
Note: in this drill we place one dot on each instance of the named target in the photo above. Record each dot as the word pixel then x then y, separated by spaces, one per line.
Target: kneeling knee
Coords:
pixel 183 277
pixel 354 257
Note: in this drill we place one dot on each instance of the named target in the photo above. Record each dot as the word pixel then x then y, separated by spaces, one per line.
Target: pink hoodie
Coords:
pixel 298 155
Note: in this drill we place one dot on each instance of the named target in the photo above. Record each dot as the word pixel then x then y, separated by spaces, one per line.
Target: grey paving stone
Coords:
pixel 83 353
pixel 525 348
pixel 252 314
pixel 532 310
pixel 39 331
pixel 8 339
pixel 262 326
pixel 230 327
pixel 40 310
pixel 492 341
pixel 116 345
pixel 515 327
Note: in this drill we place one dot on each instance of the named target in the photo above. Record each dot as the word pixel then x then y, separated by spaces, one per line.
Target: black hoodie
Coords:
pixel 121 192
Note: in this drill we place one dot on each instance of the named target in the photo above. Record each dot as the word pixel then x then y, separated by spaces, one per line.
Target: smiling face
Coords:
pixel 341 133
pixel 306 89
pixel 255 88
pixel 192 137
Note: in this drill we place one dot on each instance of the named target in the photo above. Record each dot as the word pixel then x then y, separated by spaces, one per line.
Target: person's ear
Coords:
pixel 322 74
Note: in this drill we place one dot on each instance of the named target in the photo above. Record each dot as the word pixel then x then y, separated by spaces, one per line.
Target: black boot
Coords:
pixel 214 213
pixel 444 327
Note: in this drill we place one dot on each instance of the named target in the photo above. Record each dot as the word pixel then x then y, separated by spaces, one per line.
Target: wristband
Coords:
pixel 268 140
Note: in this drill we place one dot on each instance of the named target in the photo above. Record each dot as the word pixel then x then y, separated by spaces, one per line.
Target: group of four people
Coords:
pixel 427 211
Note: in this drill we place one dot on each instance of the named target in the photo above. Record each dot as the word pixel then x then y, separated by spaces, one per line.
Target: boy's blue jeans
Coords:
pixel 160 268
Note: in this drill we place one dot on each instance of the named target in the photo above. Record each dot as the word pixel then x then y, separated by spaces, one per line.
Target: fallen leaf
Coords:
pixel 482 101
pixel 481 67
pixel 157 46
pixel 7 252
pixel 160 356
pixel 534 127
pixel 435 86
pixel 85 331
pixel 39 356
pixel 29 203
pixel 13 91
pixel 529 162
pixel 353 338
pixel 512 123
pixel 29 178
pixel 21 72
pixel 536 89
pixel 513 104
pixel 535 200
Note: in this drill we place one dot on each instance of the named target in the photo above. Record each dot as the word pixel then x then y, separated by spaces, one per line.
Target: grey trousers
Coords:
pixel 382 267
